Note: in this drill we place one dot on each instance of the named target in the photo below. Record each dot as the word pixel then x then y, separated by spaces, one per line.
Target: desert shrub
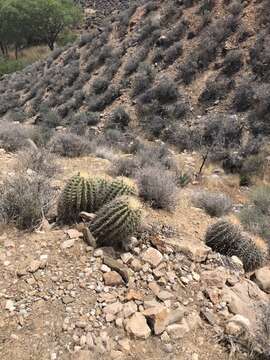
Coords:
pixel 187 71
pixel 214 204
pixel 147 29
pixel 13 136
pixel 252 165
pixel 125 166
pixel 104 54
pixel 256 214
pixel 150 6
pixel 119 118
pixel 235 7
pixel 172 53
pixel 157 187
pixel 134 62
pixel 81 121
pixel 260 56
pixel 49 118
pixel 216 89
pixel 206 6
pixel 40 161
pixel 100 85
pixel 25 200
pixel 105 152
pixel 243 33
pixel 106 99
pixel 69 145
pixel 259 118
pixel 143 79
pixel 232 62
pixel 243 97
pixel 164 92
pixel 85 39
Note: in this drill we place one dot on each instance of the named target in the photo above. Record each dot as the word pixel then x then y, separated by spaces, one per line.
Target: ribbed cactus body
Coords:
pixel 98 194
pixel 118 187
pixel 228 239
pixel 116 221
pixel 73 199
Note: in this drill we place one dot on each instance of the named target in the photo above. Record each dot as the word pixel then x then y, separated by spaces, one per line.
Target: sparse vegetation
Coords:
pixel 215 204
pixel 255 214
pixel 69 145
pixel 158 187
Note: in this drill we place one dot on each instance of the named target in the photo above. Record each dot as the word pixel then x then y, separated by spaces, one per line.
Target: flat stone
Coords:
pixel 152 256
pixel 137 326
pixel 126 257
pixel 178 331
pixel 73 234
pixel 112 278
pixel 262 279
pixel 136 265
pixel 153 286
pixel 67 244
pixel 129 309
pixel 194 250
pixel 34 266
pixel 104 268
pixel 164 295
pixel 10 305
pixel 160 317
pixel 113 309
pixel 68 299
pixel 124 344
pixel 134 295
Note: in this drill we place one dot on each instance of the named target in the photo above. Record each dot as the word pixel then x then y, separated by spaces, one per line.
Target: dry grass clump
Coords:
pixel 158 187
pixel 214 204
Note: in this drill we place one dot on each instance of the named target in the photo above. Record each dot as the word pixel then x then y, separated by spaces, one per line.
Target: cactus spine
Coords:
pixel 118 187
pixel 228 239
pixel 116 221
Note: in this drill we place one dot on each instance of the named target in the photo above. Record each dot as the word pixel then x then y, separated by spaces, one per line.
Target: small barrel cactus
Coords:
pixel 120 186
pixel 228 239
pixel 116 221
pixel 73 199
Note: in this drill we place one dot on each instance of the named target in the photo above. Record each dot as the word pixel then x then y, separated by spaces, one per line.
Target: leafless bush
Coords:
pixel 13 136
pixel 125 166
pixel 25 200
pixel 215 204
pixel 158 188
pixel 41 161
pixel 69 145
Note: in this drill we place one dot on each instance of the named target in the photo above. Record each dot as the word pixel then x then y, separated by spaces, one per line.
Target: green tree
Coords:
pixel 51 17
pixel 25 21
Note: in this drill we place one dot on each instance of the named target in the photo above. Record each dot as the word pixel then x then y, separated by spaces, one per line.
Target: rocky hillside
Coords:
pixel 179 70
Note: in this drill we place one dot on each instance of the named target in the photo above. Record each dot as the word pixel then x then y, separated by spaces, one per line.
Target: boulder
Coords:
pixel 137 326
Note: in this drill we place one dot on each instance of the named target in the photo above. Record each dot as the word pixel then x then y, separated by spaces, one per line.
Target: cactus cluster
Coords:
pixel 90 194
pixel 116 221
pixel 228 239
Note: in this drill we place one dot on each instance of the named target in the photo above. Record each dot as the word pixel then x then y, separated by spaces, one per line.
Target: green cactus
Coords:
pixel 97 194
pixel 228 239
pixel 118 187
pixel 73 199
pixel 116 221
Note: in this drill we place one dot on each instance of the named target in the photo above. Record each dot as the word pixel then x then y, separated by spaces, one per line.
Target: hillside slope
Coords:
pixel 167 63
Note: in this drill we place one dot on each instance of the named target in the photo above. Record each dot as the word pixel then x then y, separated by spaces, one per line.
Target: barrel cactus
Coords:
pixel 116 221
pixel 228 239
pixel 118 187
pixel 97 190
pixel 73 199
